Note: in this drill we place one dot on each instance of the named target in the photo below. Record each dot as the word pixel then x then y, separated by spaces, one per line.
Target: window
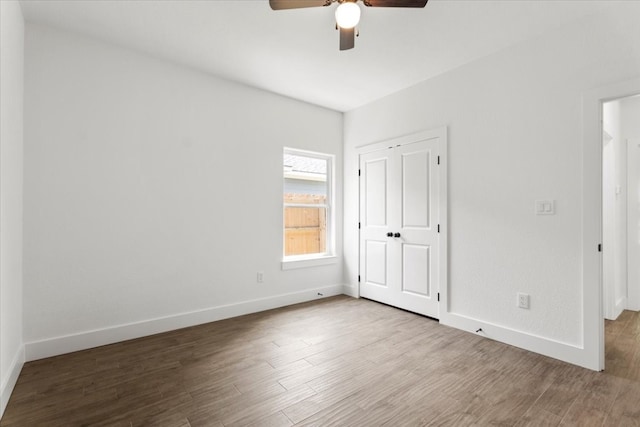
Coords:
pixel 307 201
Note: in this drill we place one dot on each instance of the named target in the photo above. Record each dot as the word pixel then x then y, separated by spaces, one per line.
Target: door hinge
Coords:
pixel 358 278
pixel 599 247
pixel 438 159
pixel 358 226
pixel 438 228
pixel 438 296
pixel 358 172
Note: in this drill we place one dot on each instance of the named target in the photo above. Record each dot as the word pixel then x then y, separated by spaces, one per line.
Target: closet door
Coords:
pixel 399 227
pixel 376 226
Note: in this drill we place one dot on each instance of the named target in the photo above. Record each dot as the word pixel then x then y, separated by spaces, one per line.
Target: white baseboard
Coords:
pixel 351 291
pixel 566 352
pixel 8 383
pixel 81 341
pixel 619 307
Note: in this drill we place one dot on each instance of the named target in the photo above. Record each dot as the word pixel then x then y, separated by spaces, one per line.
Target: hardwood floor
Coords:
pixel 334 362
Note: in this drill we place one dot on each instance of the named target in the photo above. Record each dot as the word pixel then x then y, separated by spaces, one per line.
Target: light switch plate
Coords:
pixel 523 300
pixel 545 207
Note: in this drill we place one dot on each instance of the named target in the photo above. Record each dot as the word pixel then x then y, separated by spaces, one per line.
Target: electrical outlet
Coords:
pixel 523 300
pixel 260 276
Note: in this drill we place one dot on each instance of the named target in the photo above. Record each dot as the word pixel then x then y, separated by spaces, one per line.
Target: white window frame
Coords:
pixel 327 257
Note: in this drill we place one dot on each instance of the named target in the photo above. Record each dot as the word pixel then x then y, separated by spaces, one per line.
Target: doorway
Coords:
pixel 592 349
pixel 620 187
pixel 620 221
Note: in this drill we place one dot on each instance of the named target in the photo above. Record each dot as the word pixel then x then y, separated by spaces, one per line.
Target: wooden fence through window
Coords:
pixel 305 227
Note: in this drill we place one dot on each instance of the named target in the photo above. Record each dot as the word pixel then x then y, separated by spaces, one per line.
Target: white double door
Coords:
pixel 399 227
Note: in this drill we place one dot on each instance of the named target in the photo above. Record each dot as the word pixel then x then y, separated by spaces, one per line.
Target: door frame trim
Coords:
pixel 439 133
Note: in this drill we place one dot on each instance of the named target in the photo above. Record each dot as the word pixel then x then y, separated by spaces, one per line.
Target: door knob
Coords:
pixel 396 235
pixel 389 234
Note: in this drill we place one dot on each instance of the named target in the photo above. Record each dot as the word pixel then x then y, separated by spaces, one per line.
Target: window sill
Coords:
pixel 293 263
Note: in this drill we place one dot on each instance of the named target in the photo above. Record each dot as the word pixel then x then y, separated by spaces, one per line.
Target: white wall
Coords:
pixel 630 133
pixel 515 136
pixel 614 213
pixel 151 191
pixel 11 146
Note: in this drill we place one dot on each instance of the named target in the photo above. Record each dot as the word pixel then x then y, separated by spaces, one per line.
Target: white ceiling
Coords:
pixel 295 52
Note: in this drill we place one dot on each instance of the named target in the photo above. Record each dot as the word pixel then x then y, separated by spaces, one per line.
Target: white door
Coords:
pixel 608 229
pixel 399 259
pixel 633 220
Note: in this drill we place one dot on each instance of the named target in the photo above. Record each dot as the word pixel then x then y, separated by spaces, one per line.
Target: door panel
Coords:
pixel 415 270
pixel 399 195
pixel 376 192
pixel 415 189
pixel 376 263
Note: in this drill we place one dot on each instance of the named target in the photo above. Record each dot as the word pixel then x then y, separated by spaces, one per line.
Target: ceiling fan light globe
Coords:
pixel 347 15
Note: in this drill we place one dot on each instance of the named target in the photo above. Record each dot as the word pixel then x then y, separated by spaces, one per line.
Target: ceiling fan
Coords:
pixel 347 13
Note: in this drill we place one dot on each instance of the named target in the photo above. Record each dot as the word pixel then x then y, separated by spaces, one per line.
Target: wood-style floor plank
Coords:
pixel 334 362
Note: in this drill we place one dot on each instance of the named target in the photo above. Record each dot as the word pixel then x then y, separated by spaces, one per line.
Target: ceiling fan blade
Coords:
pixel 296 4
pixel 347 38
pixel 396 3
